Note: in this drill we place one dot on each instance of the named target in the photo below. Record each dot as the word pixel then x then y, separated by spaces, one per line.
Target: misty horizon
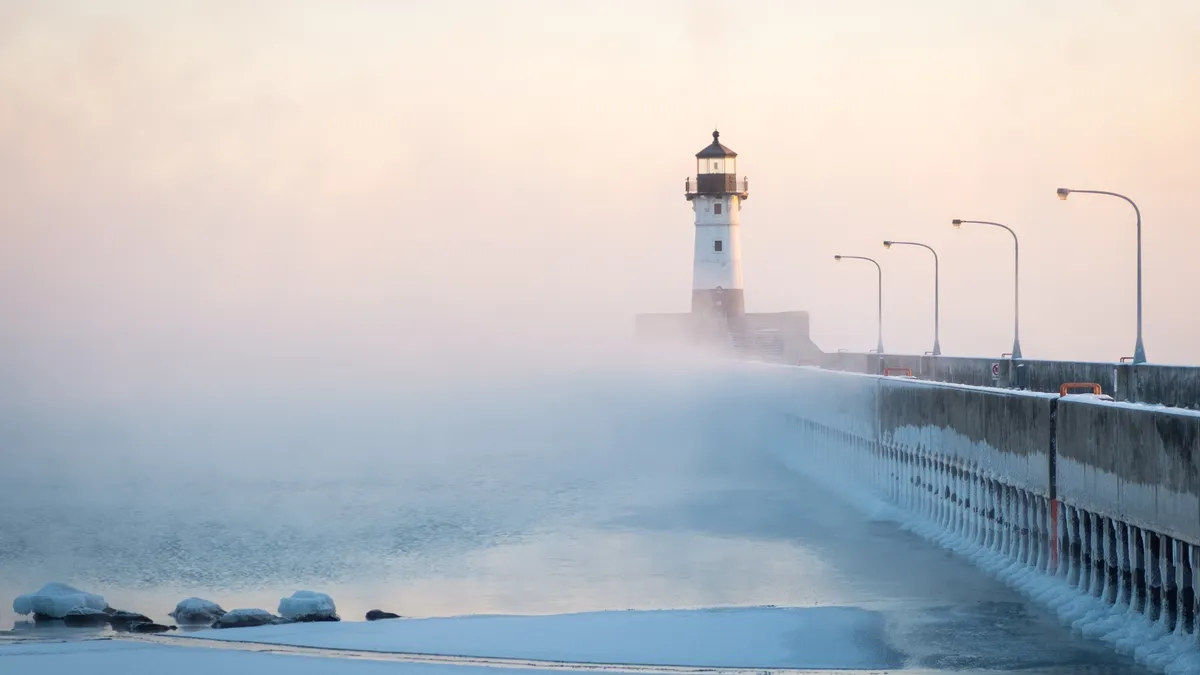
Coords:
pixel 220 196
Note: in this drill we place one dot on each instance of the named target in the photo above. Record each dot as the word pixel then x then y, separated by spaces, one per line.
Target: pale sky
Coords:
pixel 207 193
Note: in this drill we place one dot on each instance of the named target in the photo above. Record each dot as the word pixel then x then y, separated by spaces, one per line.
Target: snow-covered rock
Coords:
pixel 308 606
pixel 121 620
pixel 197 612
pixel 150 627
pixel 55 600
pixel 245 618
pixel 85 617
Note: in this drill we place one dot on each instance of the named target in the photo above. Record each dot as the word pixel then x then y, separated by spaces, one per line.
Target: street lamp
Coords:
pixel 879 320
pixel 1016 350
pixel 1139 350
pixel 937 345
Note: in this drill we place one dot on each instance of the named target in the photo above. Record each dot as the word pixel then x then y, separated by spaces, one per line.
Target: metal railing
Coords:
pixel 691 188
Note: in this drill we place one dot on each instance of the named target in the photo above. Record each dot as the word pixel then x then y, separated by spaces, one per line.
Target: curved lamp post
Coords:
pixel 1139 350
pixel 1016 349
pixel 937 345
pixel 879 320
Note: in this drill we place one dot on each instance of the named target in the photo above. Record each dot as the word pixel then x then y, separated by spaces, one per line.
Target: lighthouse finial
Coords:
pixel 716 134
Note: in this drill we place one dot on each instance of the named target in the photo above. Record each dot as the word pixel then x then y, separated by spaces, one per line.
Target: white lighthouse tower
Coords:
pixel 716 198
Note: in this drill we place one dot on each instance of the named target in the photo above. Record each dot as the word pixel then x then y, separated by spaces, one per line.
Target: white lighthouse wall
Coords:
pixel 711 268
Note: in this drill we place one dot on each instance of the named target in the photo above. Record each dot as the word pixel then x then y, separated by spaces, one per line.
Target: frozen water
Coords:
pixel 110 657
pixel 813 637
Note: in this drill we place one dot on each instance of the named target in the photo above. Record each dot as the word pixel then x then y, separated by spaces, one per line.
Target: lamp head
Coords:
pixel 887 244
pixel 1063 192
pixel 837 258
pixel 956 223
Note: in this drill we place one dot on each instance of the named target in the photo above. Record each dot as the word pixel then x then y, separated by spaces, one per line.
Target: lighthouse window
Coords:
pixel 717 245
pixel 717 208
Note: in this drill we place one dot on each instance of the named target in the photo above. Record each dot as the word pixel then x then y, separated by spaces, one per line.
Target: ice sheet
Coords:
pixel 110 657
pixel 765 637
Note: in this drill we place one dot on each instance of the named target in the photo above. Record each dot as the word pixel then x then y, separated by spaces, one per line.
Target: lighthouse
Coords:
pixel 716 197
pixel 718 318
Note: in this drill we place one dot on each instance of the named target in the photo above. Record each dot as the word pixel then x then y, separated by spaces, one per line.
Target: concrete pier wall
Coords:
pixel 1176 386
pixel 1048 376
pixel 1173 386
pixel 1103 495
pixel 1137 464
pixel 1003 434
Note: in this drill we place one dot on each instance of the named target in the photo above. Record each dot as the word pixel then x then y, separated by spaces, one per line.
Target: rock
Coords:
pixel 197 612
pixel 85 617
pixel 308 606
pixel 54 600
pixel 22 627
pixel 379 615
pixel 313 618
pixel 245 618
pixel 120 620
pixel 149 627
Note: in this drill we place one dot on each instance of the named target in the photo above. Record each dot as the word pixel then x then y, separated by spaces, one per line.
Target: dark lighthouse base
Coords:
pixel 780 337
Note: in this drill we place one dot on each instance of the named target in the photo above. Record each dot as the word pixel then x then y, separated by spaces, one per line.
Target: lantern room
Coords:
pixel 716 169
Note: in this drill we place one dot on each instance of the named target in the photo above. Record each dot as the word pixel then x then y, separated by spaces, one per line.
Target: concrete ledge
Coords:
pixel 1176 386
pixel 1136 463
pixel 1002 434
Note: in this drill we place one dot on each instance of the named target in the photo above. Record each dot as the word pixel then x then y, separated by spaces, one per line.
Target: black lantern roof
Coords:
pixel 716 149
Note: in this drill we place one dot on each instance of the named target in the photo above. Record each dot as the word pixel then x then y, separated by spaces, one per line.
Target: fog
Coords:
pixel 391 495
pixel 649 485
pixel 340 295
pixel 208 198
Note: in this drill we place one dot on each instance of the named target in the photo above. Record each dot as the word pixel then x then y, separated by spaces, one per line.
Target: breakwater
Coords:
pixel 1096 496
